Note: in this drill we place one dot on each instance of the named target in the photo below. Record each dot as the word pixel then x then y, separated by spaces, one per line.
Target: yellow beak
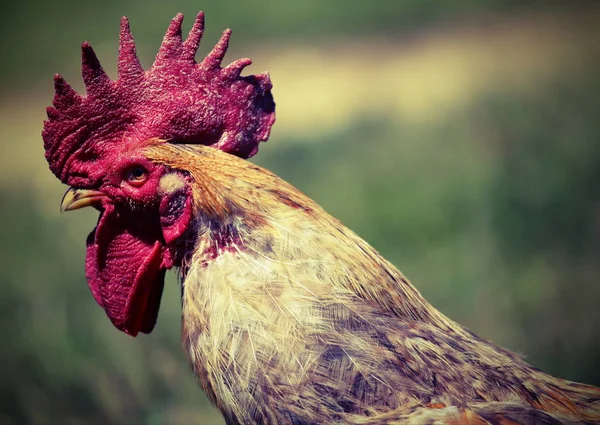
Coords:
pixel 80 198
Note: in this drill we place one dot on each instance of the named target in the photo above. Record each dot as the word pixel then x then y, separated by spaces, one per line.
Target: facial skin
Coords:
pixel 130 179
pixel 144 208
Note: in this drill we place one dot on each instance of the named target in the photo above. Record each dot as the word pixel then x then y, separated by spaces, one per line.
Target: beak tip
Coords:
pixel 79 198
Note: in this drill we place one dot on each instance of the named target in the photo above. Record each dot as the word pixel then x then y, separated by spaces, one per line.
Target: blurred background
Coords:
pixel 461 139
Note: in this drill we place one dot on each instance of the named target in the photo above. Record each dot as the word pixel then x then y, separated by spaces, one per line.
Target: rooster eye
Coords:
pixel 136 175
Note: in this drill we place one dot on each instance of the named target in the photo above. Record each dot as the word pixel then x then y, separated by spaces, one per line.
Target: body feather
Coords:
pixel 289 317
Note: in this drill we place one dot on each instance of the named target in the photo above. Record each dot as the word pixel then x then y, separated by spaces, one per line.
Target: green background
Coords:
pixel 461 139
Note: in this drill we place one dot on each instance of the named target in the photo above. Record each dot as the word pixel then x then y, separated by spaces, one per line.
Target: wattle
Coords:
pixel 124 267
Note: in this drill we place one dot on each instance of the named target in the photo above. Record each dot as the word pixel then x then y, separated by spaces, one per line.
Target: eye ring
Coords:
pixel 136 175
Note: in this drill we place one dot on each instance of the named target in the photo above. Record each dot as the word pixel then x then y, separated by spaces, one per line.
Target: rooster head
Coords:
pixel 94 144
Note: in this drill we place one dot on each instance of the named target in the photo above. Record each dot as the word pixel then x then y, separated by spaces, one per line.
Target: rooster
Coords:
pixel 288 317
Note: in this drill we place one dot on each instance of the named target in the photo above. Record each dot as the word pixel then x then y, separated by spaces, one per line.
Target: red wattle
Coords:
pixel 123 268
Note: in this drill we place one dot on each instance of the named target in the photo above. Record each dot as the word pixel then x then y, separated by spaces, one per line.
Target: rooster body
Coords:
pixel 288 316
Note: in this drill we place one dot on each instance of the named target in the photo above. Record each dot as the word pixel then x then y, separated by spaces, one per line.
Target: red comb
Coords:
pixel 177 99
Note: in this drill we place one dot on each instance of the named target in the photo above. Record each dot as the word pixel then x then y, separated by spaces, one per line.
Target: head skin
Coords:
pixel 95 143
pixel 145 208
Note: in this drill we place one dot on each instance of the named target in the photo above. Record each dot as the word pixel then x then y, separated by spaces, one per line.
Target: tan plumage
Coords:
pixel 291 318
pixel 288 316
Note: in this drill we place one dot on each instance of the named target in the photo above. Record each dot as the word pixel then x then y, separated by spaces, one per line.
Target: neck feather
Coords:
pixel 247 211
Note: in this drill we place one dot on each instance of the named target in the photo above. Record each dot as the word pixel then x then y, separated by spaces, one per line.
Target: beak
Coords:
pixel 80 198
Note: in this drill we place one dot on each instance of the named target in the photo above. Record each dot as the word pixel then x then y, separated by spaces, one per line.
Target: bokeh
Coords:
pixel 461 139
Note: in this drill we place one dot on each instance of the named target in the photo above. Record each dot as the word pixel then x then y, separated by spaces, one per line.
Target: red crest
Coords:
pixel 176 99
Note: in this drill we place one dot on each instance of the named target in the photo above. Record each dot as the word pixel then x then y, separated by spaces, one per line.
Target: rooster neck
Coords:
pixel 268 310
pixel 220 239
pixel 270 307
pixel 289 317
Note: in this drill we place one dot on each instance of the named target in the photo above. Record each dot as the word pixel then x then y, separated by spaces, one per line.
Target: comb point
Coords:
pixel 128 64
pixel 174 29
pixel 172 43
pixel 64 95
pixel 192 42
pixel 215 57
pixel 93 74
pixel 234 69
pixel 61 86
pixel 52 113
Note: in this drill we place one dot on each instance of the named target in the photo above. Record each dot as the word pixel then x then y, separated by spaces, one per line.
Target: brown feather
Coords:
pixel 291 318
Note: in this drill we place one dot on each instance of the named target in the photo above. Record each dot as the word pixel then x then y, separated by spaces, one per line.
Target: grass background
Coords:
pixel 461 139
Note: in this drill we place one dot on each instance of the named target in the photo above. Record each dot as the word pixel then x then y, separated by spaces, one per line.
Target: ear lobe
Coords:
pixel 175 214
